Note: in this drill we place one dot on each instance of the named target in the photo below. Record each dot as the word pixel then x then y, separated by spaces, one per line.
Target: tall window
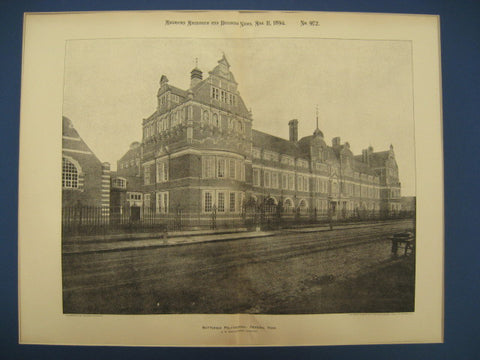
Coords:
pixel 162 202
pixel 256 177
pixel 274 180
pixel 221 202
pixel 267 179
pixel 146 202
pixel 69 174
pixel 146 175
pixel 221 168
pixel 206 117
pixel 305 184
pixel 162 171
pixel 215 120
pixel 208 166
pixel 300 183
pixel 208 202
pixel 232 202
pixel 231 166
pixel 291 182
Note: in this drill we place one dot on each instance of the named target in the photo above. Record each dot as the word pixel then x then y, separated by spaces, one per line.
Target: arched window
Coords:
pixel 271 201
pixel 69 174
pixel 302 204
pixel 206 117
pixel 215 120
pixel 288 203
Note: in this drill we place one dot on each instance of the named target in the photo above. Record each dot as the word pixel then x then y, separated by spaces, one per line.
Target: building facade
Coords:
pixel 200 154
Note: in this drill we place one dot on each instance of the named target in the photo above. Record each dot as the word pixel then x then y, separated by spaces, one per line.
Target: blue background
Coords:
pixel 460 31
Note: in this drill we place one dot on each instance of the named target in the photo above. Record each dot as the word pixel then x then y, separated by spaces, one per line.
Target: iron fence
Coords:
pixel 87 220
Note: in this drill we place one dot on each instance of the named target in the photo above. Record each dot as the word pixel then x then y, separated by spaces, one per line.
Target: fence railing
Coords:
pixel 85 220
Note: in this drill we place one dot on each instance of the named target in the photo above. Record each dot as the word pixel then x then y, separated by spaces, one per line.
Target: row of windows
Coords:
pixel 222 167
pixel 127 164
pixel 161 172
pixel 394 193
pixel 276 180
pixel 135 196
pixel 223 96
pixel 214 120
pixel 160 204
pixel 164 99
pixel 222 201
pixel 282 181
pixel 284 159
pixel 173 119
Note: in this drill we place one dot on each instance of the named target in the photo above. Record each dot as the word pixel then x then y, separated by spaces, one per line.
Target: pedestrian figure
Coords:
pixel 330 220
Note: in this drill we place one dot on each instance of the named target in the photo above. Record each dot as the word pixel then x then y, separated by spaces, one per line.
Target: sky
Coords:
pixel 363 89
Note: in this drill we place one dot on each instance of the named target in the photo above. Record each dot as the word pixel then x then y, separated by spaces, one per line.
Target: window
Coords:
pixel 288 203
pixel 291 182
pixel 287 160
pixel 221 168
pixel 305 184
pixel 238 165
pixel 146 202
pixel 206 117
pixel 275 180
pixel 162 171
pixel 221 202
pixel 208 201
pixel 214 93
pixel 119 183
pixel 256 177
pixel 267 179
pixel 284 182
pixel 215 120
pixel 242 171
pixel 146 174
pixel 69 174
pixel 256 153
pixel 300 183
pixel 232 202
pixel 303 163
pixel 208 167
pixel 231 167
pixel 162 202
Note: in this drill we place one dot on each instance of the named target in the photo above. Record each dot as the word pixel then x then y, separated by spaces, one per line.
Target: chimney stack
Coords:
pixel 293 127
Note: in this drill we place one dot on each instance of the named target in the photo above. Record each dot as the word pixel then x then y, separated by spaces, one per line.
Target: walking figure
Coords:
pixel 214 217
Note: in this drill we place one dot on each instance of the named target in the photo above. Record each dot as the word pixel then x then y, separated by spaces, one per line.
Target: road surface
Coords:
pixel 259 275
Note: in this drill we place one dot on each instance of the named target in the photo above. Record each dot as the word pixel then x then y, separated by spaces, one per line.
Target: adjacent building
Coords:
pixel 85 179
pixel 199 153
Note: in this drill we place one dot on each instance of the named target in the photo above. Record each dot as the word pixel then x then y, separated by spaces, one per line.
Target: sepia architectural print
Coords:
pixel 202 183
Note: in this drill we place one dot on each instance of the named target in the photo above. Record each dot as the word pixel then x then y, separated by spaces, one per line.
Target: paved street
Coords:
pixel 284 273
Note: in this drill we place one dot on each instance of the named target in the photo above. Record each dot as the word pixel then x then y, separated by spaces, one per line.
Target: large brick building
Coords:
pixel 200 154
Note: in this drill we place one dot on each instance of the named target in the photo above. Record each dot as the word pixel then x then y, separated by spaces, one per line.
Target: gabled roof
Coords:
pixel 72 140
pixel 378 159
pixel 130 154
pixel 274 143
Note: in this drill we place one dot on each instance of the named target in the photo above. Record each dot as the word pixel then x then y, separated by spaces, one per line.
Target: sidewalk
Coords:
pixel 119 245
pixel 120 242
